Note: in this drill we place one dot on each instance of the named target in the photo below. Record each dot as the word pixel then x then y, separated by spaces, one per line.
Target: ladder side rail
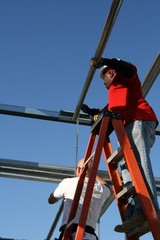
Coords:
pixel 137 179
pixel 79 188
pixel 91 181
pixel 114 177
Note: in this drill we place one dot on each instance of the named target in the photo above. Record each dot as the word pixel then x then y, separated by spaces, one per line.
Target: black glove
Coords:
pixel 96 62
pixel 90 111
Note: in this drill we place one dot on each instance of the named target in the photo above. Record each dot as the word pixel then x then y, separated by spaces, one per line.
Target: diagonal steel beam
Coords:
pixel 151 76
pixel 116 5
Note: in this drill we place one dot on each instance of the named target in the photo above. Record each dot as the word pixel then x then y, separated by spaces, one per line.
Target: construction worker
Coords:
pixel 66 189
pixel 125 97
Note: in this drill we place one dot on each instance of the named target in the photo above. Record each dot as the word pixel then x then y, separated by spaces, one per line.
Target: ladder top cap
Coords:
pixel 111 114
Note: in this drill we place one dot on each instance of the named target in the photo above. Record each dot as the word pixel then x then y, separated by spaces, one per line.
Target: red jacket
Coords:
pixel 125 97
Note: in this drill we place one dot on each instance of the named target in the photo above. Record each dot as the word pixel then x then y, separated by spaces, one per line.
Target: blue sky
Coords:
pixel 45 49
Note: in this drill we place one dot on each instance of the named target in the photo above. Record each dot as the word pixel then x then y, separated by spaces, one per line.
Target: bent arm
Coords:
pixel 104 182
pixel 52 199
pixel 124 68
pixel 57 194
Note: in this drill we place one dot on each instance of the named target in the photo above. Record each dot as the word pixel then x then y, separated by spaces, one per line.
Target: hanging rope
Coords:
pixel 77 138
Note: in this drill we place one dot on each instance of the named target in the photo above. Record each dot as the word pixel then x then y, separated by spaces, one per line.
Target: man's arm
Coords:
pixel 124 68
pixel 58 193
pixel 101 180
pixel 52 199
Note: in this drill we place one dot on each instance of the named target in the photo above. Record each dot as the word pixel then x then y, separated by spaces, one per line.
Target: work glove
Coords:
pixel 90 111
pixel 96 62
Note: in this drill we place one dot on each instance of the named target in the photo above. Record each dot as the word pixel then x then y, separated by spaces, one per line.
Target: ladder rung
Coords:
pixel 116 156
pixel 126 191
pixel 139 231
pixel 96 125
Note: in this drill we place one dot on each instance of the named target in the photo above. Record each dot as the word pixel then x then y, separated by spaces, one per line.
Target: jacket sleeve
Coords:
pixel 126 69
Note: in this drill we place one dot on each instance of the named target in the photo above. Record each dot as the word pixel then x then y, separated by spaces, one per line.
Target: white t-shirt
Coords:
pixel 67 190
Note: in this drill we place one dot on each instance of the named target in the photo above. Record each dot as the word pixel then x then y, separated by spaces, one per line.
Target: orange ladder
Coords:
pixel 101 129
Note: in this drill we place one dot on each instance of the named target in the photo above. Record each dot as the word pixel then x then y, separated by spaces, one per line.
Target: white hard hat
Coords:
pixel 103 71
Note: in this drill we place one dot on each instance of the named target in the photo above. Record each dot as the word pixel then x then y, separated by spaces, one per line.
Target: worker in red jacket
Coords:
pixel 125 97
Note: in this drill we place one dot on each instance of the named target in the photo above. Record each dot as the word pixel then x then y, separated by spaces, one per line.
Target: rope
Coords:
pixel 77 138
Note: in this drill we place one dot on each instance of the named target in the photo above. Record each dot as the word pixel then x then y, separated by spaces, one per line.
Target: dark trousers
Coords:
pixel 88 229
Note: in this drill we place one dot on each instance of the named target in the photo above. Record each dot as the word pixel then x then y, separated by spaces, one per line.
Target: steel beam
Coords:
pixel 45 172
pixel 39 172
pixel 115 8
pixel 28 112
pixel 151 76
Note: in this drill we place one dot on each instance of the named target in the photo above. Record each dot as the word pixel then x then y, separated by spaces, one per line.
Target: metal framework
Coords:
pixel 115 8
pixel 51 173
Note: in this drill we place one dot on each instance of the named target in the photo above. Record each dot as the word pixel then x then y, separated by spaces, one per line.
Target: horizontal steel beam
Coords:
pixel 39 172
pixel 41 114
pixel 45 172
pixel 28 112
